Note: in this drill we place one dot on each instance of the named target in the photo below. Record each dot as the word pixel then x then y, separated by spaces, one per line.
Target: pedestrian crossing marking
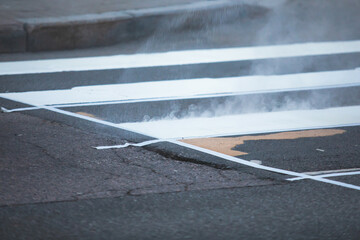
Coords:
pixel 174 58
pixel 186 89
pixel 252 123
pixel 179 131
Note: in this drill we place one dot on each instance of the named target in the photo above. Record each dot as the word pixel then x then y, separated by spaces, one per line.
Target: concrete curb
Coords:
pixel 12 37
pixel 94 30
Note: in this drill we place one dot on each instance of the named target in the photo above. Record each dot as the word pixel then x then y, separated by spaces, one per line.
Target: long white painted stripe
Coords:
pixel 248 123
pixel 333 171
pixel 226 157
pixel 258 166
pixel 189 88
pixel 178 57
pixel 142 144
pixel 327 175
pixel 243 162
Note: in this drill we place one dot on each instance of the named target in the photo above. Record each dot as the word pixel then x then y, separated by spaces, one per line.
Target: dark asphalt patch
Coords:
pixel 301 155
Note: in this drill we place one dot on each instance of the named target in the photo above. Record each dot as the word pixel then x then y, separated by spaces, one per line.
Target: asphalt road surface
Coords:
pixel 240 142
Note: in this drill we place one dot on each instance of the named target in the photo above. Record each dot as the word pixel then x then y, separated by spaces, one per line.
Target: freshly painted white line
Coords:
pixel 248 123
pixel 178 57
pixel 226 157
pixel 251 163
pixel 258 166
pixel 5 110
pixel 142 144
pixel 91 119
pixel 332 171
pixel 223 156
pixel 185 89
pixel 327 175
pixel 19 109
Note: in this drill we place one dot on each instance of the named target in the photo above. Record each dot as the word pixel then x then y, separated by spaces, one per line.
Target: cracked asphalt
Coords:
pixel 43 161
pixel 55 185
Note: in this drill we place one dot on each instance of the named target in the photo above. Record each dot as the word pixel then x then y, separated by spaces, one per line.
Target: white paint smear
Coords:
pixel 248 123
pixel 142 144
pixel 189 88
pixel 177 57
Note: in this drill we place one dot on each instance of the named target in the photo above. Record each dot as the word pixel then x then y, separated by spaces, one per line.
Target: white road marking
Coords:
pixel 5 110
pixel 271 169
pixel 247 123
pixel 332 171
pixel 185 89
pixel 242 124
pixel 251 163
pixel 178 57
pixel 320 150
pixel 220 155
pixel 19 109
pixel 142 144
pixel 327 175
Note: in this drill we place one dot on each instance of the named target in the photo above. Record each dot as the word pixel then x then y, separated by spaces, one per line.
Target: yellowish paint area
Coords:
pixel 226 145
pixel 88 115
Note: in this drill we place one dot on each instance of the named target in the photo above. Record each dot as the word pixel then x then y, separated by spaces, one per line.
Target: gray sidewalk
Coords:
pixel 40 25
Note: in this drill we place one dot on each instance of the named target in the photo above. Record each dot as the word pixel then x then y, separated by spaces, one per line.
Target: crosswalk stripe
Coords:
pixel 178 57
pixel 217 154
pixel 248 123
pixel 185 89
pixel 172 130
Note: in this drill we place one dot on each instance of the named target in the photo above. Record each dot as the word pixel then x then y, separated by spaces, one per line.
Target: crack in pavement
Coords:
pixel 67 168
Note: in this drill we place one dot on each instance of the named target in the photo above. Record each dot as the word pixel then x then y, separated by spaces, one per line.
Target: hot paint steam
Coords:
pixel 282 22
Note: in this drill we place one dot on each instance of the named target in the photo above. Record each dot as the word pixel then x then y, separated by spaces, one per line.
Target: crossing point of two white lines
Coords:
pixel 179 58
pixel 336 174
